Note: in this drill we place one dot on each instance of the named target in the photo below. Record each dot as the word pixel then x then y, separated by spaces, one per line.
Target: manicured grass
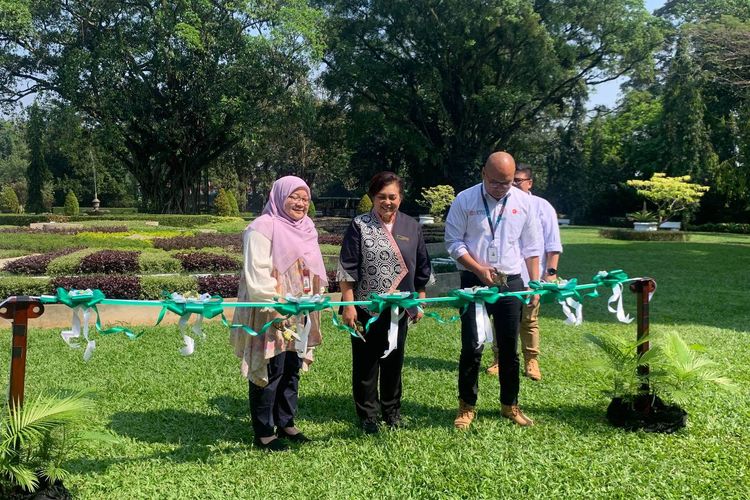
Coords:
pixel 185 431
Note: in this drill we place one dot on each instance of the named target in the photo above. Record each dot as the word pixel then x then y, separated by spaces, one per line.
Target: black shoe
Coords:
pixel 294 438
pixel 273 445
pixel 394 423
pixel 369 426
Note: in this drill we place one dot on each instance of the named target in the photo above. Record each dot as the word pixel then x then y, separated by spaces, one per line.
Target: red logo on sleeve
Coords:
pixel 514 211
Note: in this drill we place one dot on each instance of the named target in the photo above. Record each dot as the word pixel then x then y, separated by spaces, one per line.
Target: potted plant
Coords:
pixel 644 220
pixel 34 442
pixel 675 371
pixel 437 200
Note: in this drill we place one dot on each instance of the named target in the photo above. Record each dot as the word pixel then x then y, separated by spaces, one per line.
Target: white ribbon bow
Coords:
pixel 189 347
pixel 574 316
pixel 619 311
pixel 304 323
pixel 484 326
pixel 70 336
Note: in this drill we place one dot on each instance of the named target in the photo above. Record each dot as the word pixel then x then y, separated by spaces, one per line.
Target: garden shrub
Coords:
pixel 330 239
pixel 24 285
pixel 9 200
pixel 114 286
pixel 365 205
pixel 110 262
pixel 68 264
pixel 223 204
pixel 433 233
pixel 630 235
pixel 153 286
pixel 311 212
pixel 171 220
pixel 234 209
pixel 202 240
pixel 225 285
pixel 36 264
pixel 157 262
pixel 71 204
pixel 109 240
pixel 208 262
pixel 22 219
pixel 722 227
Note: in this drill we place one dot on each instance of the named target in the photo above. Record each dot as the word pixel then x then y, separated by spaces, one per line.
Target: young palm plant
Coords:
pixel 34 439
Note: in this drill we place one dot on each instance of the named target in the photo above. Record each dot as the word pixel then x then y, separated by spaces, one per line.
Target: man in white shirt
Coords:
pixel 550 235
pixel 492 232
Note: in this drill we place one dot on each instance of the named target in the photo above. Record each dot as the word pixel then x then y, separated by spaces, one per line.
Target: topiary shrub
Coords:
pixel 365 205
pixel 233 206
pixel 311 212
pixel 223 204
pixel 153 286
pixel 110 262
pixel 9 200
pixel 225 285
pixel 114 286
pixel 630 235
pixel 71 204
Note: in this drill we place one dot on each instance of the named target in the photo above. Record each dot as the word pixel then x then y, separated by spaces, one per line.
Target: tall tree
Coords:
pixel 453 80
pixel 689 146
pixel 37 173
pixel 174 85
pixel 566 171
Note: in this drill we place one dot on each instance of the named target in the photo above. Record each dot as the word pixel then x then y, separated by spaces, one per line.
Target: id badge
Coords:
pixel 492 254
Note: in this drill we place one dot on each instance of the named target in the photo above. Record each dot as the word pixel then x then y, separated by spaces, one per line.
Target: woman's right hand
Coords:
pixel 350 316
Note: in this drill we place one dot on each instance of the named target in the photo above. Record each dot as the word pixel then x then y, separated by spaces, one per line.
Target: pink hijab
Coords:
pixel 290 239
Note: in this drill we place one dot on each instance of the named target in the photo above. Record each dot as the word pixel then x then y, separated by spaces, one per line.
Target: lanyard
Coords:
pixel 499 216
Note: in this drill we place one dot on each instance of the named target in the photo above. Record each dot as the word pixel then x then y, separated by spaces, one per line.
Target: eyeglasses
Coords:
pixel 520 181
pixel 299 199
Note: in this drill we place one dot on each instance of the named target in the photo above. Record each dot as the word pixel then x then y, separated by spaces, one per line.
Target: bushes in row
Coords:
pixel 330 239
pixel 433 233
pixel 203 240
pixel 35 264
pixel 96 261
pixel 66 230
pixel 723 227
pixel 173 220
pixel 630 235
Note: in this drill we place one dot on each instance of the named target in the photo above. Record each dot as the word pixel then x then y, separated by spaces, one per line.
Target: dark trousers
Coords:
pixel 276 404
pixel 367 365
pixel 506 317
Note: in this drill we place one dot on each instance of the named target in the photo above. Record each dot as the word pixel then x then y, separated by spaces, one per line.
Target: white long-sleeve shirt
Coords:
pixel 549 232
pixel 517 236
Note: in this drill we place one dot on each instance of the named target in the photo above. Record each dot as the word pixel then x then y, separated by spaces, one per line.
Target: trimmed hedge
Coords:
pixel 158 262
pixel 119 286
pixel 203 261
pixel 174 220
pixel 153 286
pixel 330 239
pixel 23 285
pixel 225 285
pixel 203 240
pixel 36 264
pixel 722 227
pixel 110 262
pixel 68 264
pixel 433 233
pixel 22 219
pixel 631 235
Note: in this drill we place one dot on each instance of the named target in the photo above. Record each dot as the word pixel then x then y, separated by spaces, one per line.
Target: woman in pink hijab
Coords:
pixel 282 258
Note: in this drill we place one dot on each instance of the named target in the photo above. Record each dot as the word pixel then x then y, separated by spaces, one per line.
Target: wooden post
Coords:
pixel 642 288
pixel 19 310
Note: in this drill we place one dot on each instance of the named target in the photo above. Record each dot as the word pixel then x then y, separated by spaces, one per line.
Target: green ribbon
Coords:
pixel 610 278
pixel 382 301
pixel 89 299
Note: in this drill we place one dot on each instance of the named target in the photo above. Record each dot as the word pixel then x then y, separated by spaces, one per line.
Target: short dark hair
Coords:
pixel 526 169
pixel 381 180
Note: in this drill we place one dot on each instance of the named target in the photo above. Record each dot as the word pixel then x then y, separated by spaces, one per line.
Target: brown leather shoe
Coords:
pixel 532 369
pixel 515 415
pixel 466 415
pixel 493 370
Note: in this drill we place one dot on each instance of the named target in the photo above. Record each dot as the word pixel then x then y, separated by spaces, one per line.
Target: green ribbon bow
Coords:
pixel 379 302
pixel 610 278
pixel 88 300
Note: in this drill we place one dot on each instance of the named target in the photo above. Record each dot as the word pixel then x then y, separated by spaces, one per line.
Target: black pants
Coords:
pixel 276 404
pixel 506 317
pixel 367 365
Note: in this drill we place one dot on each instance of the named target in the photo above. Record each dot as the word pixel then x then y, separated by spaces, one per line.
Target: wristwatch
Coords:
pixel 552 271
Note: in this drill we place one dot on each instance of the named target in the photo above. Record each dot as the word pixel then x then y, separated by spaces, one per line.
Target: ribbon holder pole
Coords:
pixel 19 310
pixel 643 288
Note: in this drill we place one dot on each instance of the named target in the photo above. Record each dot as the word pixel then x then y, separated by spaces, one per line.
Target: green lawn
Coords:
pixel 185 432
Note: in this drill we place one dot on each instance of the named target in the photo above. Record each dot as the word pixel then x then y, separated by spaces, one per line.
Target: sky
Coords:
pixel 607 93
